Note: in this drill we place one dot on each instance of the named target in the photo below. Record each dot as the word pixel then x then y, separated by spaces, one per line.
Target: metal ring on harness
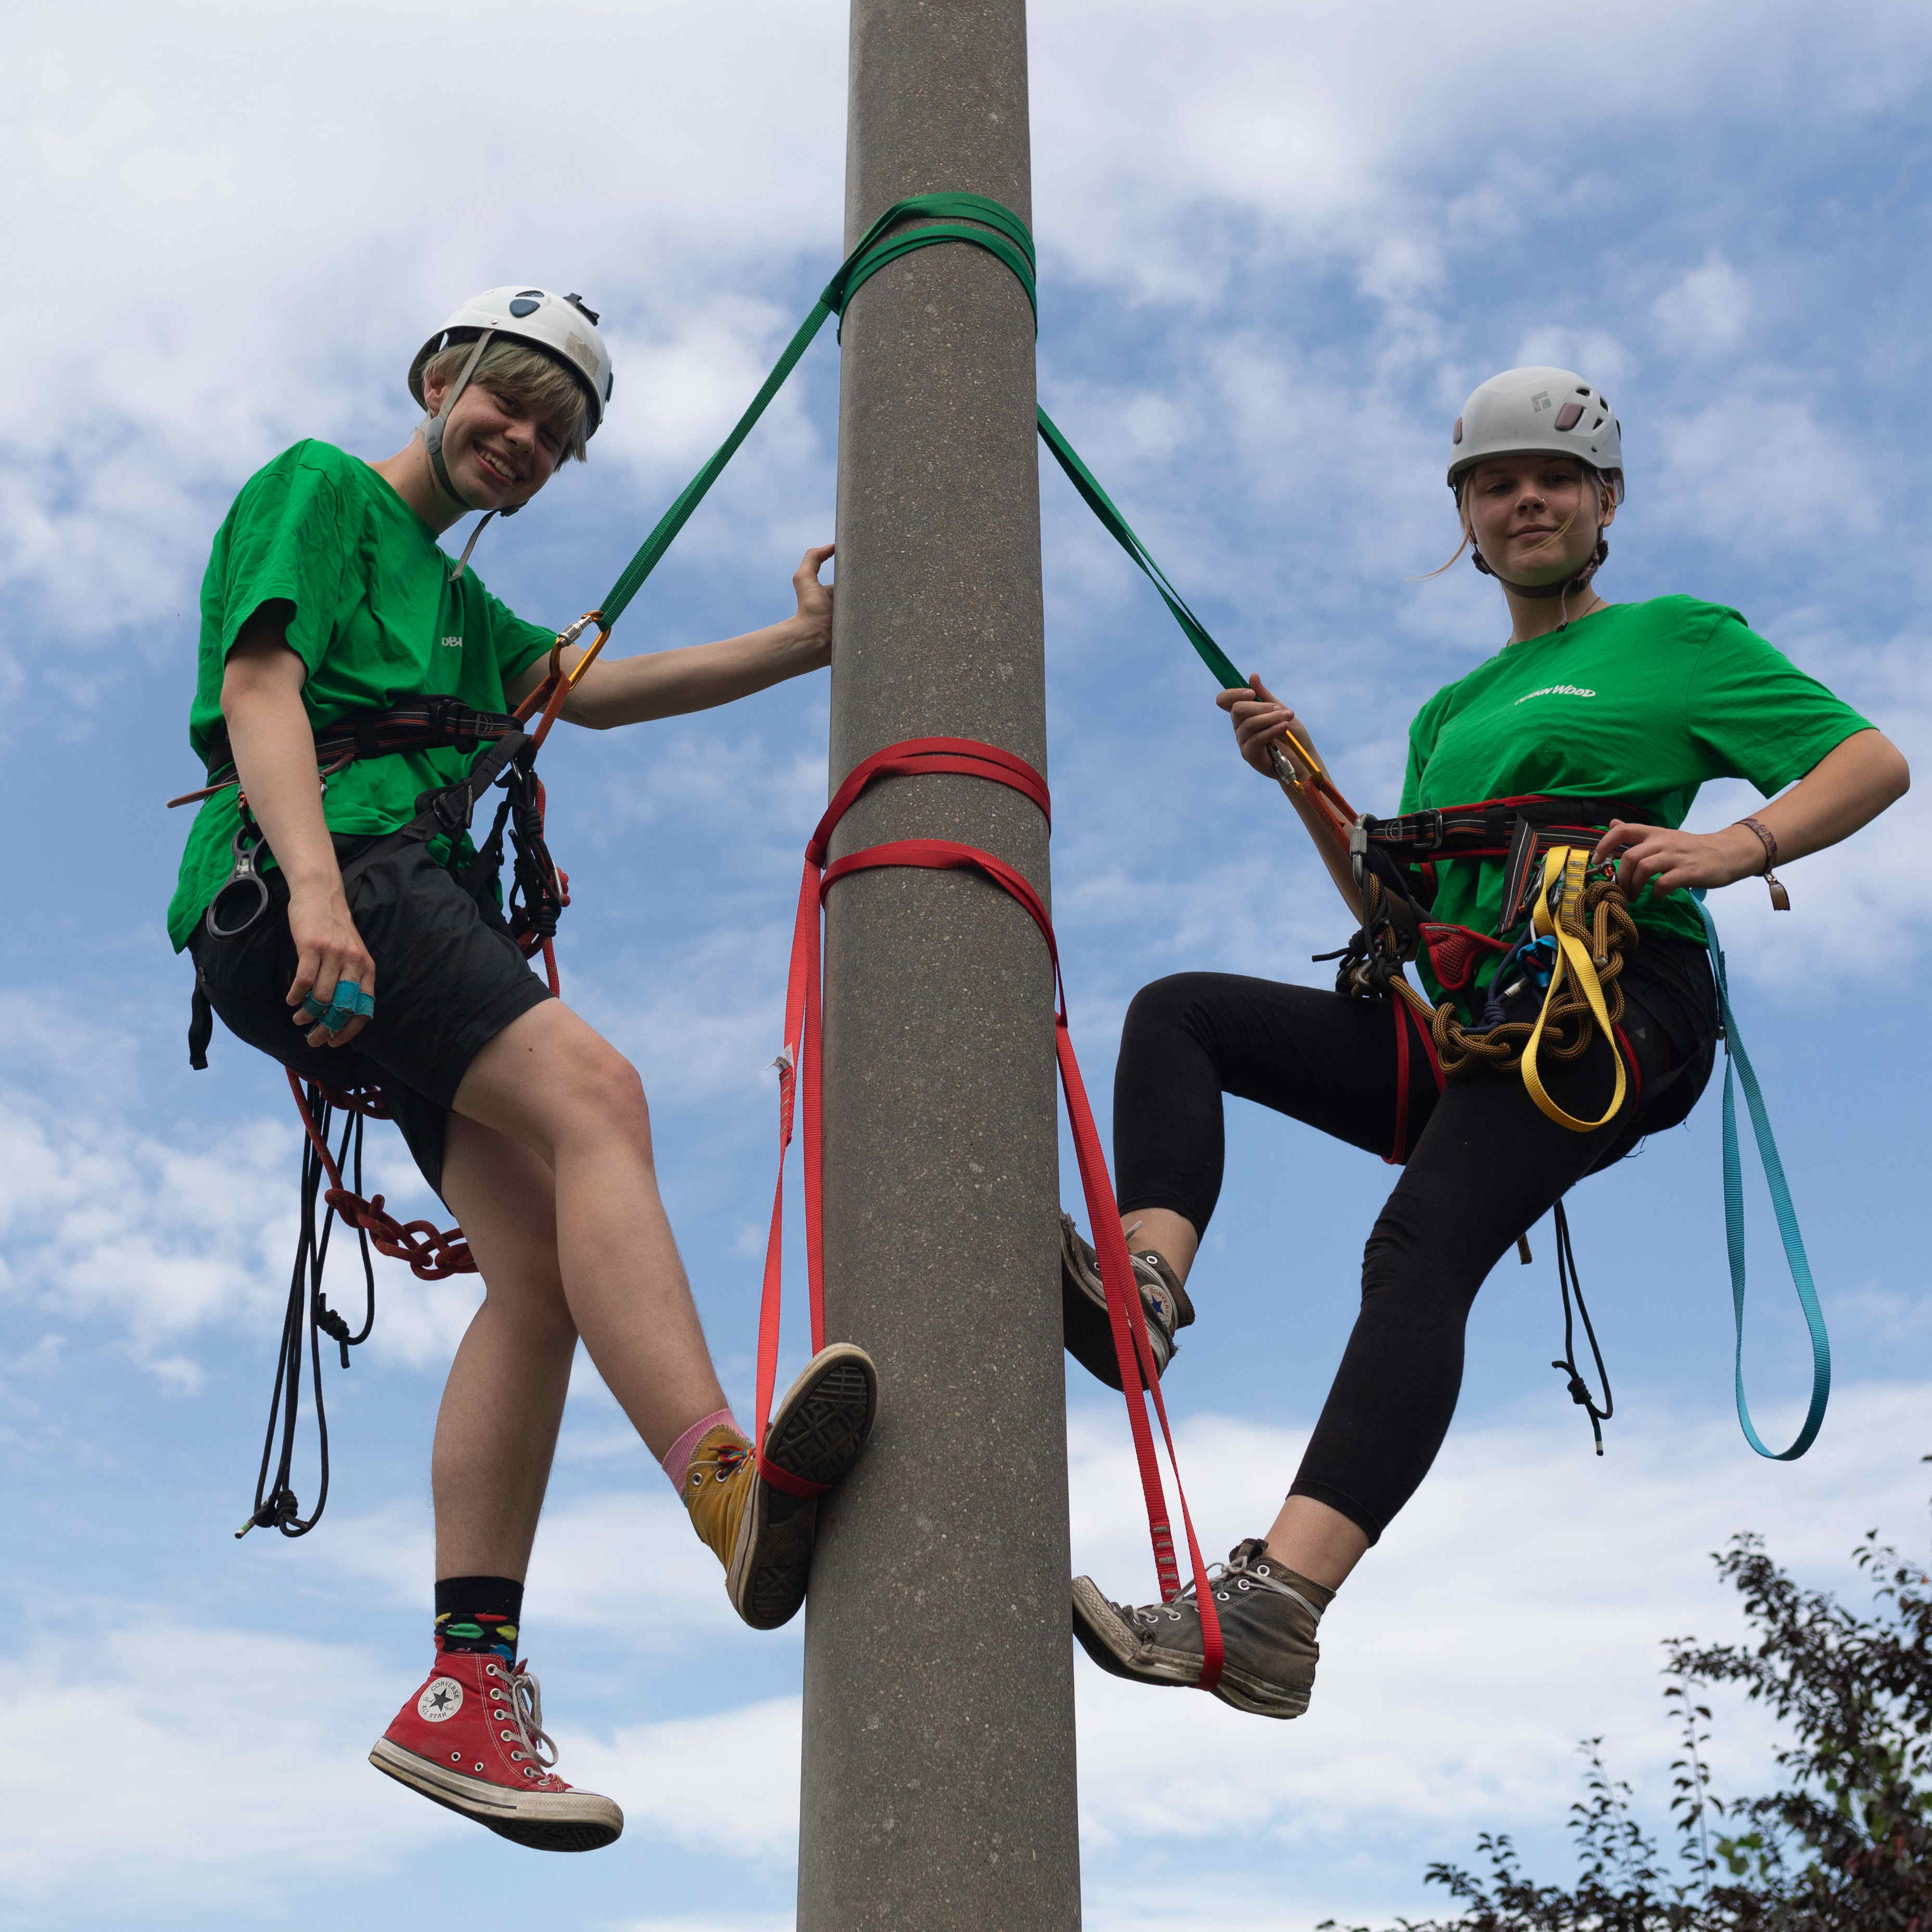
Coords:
pixel 246 877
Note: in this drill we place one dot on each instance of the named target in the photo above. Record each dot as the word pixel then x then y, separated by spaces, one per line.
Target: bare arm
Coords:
pixel 667 684
pixel 1847 788
pixel 275 757
pixel 1259 718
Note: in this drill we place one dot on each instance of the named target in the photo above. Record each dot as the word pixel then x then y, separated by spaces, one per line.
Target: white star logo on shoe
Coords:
pixel 441 1699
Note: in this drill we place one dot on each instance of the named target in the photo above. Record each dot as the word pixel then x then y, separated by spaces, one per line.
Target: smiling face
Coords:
pixel 500 453
pixel 1535 518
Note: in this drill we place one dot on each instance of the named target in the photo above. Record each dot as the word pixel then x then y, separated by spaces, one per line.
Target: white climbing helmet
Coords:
pixel 561 326
pixel 1538 410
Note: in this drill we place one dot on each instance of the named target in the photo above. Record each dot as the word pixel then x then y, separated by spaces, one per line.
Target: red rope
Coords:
pixel 802 1057
pixel 434 1254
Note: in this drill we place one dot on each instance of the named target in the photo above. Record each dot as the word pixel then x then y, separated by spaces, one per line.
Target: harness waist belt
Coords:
pixel 421 724
pixel 1485 829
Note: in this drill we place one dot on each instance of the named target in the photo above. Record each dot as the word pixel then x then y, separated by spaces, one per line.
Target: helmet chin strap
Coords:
pixel 1580 582
pixel 439 466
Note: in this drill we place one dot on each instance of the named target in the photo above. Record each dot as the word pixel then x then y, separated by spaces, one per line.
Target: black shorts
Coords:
pixel 448 979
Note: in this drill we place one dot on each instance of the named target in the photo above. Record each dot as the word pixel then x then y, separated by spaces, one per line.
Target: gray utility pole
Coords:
pixel 939 1782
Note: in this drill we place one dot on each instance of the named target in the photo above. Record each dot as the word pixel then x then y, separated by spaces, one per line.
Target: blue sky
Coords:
pixel 1277 248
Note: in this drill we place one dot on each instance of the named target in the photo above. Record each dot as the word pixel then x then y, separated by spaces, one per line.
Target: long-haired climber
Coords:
pixel 1617 711
pixel 327 605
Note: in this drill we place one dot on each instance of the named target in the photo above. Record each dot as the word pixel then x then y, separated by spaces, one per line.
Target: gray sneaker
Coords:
pixel 1083 1307
pixel 1268 1616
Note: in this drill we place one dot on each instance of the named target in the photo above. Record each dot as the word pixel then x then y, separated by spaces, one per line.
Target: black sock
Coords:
pixel 476 1613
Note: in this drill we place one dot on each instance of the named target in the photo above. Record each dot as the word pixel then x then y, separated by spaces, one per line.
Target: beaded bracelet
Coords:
pixel 1780 899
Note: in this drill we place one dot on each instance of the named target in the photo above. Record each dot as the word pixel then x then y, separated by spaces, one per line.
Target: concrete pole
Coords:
pixel 939 1781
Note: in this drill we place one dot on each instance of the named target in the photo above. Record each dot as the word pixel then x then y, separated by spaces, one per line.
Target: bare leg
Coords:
pixel 496 1430
pixel 1170 1235
pixel 550 1083
pixel 1319 1542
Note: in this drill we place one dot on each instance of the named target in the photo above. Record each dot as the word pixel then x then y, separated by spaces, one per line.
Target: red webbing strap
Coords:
pixel 802 1053
pixel 1405 1017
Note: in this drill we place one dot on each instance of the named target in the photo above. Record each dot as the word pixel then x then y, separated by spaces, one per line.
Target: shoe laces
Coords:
pixel 526 1712
pixel 719 1465
pixel 1248 1573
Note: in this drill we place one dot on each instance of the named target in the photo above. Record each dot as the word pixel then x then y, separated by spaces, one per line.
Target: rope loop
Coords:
pixel 1598 921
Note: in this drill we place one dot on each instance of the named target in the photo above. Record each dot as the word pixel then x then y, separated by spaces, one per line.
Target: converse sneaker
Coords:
pixel 473 1739
pixel 1268 1615
pixel 1083 1305
pixel 763 1536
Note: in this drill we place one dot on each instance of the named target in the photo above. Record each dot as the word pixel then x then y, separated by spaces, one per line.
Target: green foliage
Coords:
pixel 1845 1845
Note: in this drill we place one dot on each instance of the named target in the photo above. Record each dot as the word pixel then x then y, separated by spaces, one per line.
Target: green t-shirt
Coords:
pixel 376 621
pixel 1635 701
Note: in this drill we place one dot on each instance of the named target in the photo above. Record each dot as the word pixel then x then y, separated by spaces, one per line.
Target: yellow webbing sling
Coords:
pixel 1564 868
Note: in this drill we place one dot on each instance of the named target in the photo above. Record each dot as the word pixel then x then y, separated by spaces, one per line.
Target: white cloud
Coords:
pixel 152 1728
pixel 1518 1605
pixel 1597 356
pixel 1705 311
pixel 1760 471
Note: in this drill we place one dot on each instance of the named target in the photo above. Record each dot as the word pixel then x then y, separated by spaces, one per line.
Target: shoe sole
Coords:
pixel 545 1821
pixel 1113 1645
pixel 1083 1309
pixel 1117 1651
pixel 1240 1692
pixel 818 1432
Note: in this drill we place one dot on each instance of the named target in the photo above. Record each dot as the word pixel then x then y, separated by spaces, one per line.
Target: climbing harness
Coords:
pixel 1559 946
pixel 540 892
pixel 799 1066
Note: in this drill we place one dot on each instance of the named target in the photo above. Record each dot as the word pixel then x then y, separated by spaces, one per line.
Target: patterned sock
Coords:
pixel 677 1458
pixel 479 1613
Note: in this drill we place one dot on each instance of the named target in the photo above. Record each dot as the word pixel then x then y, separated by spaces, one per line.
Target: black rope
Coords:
pixel 306 1319
pixel 1569 1281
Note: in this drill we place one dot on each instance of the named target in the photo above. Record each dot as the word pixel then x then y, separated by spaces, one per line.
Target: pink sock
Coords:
pixel 677 1458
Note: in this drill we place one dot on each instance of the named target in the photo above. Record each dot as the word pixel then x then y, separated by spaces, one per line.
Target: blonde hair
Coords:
pixel 1592 475
pixel 533 382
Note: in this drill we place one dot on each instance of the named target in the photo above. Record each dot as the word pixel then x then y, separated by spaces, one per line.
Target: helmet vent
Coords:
pixel 1568 416
pixel 1458 436
pixel 527 303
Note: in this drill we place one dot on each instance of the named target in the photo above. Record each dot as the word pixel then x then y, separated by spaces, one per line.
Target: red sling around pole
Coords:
pixel 799 1068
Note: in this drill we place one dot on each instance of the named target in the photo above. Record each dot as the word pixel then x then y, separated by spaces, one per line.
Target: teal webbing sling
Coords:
pixel 1735 1056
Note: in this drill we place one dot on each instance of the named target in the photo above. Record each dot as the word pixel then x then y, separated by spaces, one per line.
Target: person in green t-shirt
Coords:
pixel 372 955
pixel 1621 710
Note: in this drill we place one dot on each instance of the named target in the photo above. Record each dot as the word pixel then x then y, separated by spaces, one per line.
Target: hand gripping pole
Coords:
pixel 800 1064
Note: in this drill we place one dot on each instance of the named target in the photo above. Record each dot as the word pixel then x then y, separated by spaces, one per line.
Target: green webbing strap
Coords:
pixel 1004 235
pixel 1735 1055
pixel 1118 528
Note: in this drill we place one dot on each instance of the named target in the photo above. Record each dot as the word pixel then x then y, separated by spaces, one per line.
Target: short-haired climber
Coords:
pixel 1540 848
pixel 329 607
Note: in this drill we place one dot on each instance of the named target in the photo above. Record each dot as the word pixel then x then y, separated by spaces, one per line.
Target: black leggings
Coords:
pixel 1483 1165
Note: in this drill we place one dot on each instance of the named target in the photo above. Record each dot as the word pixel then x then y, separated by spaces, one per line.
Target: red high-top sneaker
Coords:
pixel 473 1739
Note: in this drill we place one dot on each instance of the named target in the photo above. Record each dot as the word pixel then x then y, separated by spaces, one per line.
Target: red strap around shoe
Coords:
pixel 801 1063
